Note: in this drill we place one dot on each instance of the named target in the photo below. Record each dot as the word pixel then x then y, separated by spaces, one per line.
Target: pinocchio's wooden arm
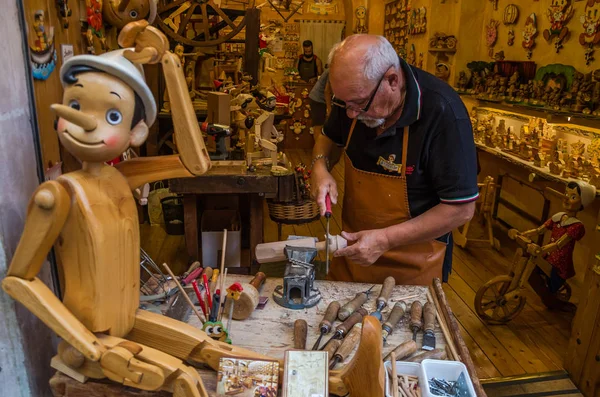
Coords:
pixel 151 46
pixel 47 213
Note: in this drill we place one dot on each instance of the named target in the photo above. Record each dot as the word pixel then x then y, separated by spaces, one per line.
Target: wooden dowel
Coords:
pixel 223 296
pixel 394 375
pixel 185 295
pixel 402 298
pixel 453 353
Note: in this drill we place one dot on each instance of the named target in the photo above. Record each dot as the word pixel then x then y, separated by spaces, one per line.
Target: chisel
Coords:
pixel 347 346
pixel 342 330
pixel 354 304
pixel 384 295
pixel 327 322
pixel 416 311
pixel 327 216
pixel 300 332
pixel 428 326
pixel 395 316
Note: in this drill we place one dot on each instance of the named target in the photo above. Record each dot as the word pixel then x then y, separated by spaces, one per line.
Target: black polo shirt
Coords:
pixel 441 161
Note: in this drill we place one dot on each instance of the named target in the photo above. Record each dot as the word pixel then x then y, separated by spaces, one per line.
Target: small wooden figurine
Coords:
pixel 591 29
pixel 462 82
pixel 559 14
pixel 511 14
pixel 64 11
pixel 491 36
pixel 43 53
pixel 529 34
pixel 361 20
pixel 120 13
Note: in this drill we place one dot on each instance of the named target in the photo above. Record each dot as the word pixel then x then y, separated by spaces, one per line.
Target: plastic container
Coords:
pixel 402 367
pixel 447 370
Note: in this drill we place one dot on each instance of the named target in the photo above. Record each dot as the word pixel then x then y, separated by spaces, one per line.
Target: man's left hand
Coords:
pixel 368 246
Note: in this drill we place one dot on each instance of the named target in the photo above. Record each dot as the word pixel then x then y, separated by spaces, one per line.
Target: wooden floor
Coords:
pixel 534 342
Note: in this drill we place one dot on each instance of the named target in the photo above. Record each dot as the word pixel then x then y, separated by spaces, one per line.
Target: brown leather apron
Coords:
pixel 375 201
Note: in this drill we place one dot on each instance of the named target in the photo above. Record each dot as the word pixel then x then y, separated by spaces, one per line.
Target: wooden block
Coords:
pixel 219 108
pixel 63 386
pixel 58 365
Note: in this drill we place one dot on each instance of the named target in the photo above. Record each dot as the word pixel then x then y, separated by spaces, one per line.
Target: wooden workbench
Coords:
pixel 253 188
pixel 270 331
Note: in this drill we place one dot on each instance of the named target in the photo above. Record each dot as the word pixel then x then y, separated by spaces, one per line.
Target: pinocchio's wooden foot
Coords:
pixel 364 376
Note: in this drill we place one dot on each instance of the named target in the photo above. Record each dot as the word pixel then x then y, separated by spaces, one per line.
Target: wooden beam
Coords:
pixel 252 58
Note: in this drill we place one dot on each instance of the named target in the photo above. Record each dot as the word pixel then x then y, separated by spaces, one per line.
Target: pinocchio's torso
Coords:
pixel 98 250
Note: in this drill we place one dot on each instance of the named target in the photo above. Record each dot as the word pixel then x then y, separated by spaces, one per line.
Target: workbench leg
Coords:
pixel 190 220
pixel 256 228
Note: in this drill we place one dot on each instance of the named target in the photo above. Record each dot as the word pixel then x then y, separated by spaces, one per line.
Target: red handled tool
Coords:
pixel 208 298
pixel 327 215
pixel 199 296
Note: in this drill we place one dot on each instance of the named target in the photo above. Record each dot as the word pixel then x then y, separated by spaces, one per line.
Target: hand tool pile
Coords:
pixel 346 335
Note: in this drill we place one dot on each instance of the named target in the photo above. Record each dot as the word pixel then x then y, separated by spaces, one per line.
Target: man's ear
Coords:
pixel 139 133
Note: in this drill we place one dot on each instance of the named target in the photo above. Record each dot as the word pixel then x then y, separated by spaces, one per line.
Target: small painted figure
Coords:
pixel 529 34
pixel 559 14
pixel 591 29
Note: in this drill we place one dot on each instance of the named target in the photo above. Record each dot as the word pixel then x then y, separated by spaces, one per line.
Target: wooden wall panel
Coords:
pixel 50 91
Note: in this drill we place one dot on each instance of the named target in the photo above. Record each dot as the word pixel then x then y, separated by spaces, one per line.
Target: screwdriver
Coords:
pixel 354 304
pixel 347 346
pixel 327 216
pixel 384 295
pixel 342 330
pixel 327 322
pixel 395 316
pixel 416 311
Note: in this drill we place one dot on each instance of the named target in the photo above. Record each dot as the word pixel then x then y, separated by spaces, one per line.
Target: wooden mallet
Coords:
pixel 248 299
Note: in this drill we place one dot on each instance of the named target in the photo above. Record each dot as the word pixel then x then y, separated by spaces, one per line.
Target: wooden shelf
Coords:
pixel 445 50
pixel 533 108
pixel 542 172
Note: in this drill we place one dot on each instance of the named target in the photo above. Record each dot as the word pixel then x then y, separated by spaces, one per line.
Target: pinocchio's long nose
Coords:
pixel 88 123
pixel 123 5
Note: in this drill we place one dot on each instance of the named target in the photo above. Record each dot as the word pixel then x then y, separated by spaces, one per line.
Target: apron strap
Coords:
pixel 404 150
pixel 350 133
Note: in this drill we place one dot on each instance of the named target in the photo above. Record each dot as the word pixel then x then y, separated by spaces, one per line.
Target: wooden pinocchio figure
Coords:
pixel 91 219
pixel 565 231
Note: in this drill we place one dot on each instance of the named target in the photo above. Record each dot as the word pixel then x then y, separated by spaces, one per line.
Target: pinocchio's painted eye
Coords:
pixel 74 104
pixel 133 14
pixel 114 117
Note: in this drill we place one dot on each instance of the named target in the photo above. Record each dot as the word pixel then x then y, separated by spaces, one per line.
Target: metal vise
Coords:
pixel 298 291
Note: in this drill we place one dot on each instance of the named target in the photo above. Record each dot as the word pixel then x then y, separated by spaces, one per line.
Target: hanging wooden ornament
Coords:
pixel 495 3
pixel 491 36
pixel 559 14
pixel 511 14
pixel 591 29
pixel 43 52
pixel 529 34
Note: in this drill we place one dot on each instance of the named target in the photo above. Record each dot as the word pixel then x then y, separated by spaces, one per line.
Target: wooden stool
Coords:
pixel 485 206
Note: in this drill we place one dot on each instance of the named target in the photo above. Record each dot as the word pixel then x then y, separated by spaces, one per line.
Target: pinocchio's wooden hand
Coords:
pixel 120 364
pixel 151 46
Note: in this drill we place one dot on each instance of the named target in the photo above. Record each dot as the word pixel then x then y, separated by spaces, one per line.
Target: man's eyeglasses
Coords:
pixel 338 102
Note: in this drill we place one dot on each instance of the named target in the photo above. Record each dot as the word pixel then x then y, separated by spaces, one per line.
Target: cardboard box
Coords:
pixel 212 224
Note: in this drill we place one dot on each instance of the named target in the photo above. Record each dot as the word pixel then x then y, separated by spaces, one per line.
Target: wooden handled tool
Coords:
pixel 332 346
pixel 395 316
pixel 342 330
pixel 416 312
pixel 275 251
pixel 354 304
pixel 347 346
pixel 394 375
pixel 403 350
pixel 435 354
pixel 428 326
pixel 300 332
pixel 327 216
pixel 384 295
pixel 327 322
pixel 248 299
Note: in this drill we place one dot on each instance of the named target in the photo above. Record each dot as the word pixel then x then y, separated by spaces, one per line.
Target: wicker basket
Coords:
pixel 294 213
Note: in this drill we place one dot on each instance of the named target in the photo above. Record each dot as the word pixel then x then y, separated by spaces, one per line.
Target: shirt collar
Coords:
pixel 412 103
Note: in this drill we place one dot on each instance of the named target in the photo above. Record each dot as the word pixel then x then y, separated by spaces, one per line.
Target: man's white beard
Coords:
pixel 371 122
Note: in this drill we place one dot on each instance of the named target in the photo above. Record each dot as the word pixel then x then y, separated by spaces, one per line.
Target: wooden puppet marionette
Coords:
pixel 529 34
pixel 565 230
pixel 118 13
pixel 95 25
pixel 559 14
pixel 591 29
pixel 91 216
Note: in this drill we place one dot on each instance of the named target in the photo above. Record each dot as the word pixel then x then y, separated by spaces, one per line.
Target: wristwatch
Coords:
pixel 319 157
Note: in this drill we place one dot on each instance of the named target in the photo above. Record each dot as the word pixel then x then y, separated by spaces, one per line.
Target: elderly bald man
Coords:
pixel 410 165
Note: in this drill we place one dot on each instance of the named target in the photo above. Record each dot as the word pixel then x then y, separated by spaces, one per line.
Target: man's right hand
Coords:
pixel 322 182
